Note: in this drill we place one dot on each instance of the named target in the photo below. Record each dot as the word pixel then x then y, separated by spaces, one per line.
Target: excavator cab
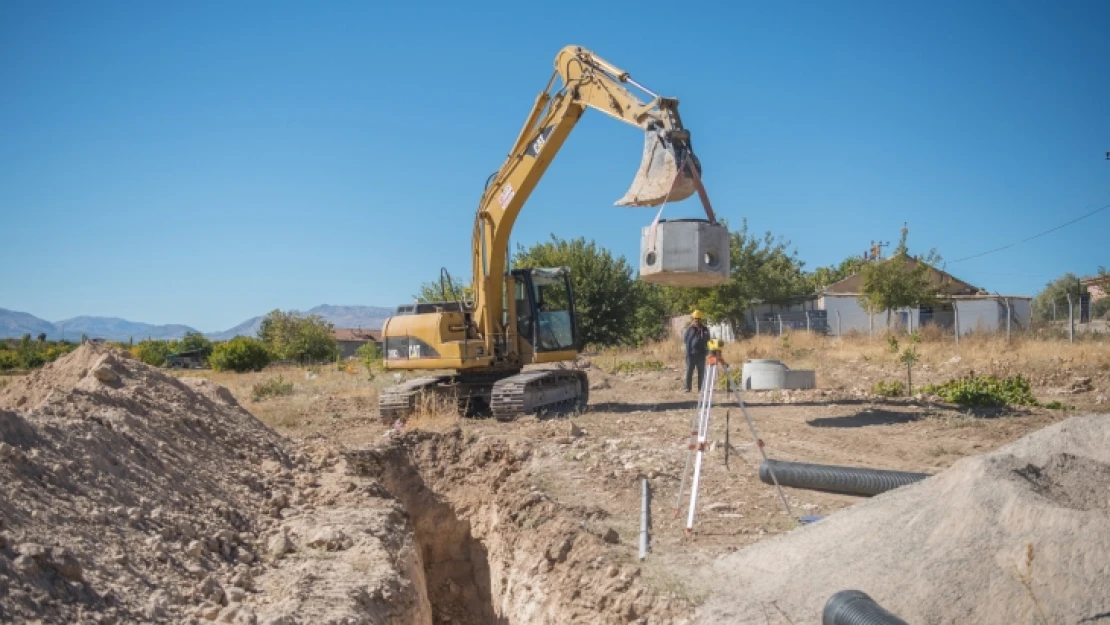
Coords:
pixel 546 323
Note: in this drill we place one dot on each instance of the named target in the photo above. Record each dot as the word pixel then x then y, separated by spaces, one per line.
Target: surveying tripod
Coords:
pixel 699 431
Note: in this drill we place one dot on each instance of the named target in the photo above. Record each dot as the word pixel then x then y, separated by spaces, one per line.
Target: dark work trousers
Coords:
pixel 694 361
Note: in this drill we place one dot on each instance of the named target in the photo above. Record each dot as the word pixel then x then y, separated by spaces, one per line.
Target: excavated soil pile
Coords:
pixel 497 550
pixel 131 496
pixel 1020 535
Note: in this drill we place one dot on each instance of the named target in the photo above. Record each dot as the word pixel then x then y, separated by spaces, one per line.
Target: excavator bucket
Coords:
pixel 660 178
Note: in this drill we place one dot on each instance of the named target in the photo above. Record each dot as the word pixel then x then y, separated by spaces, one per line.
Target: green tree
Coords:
pixel 152 352
pixel 196 341
pixel 1057 291
pixel 290 336
pixel 899 281
pixel 444 290
pixel 823 277
pixel 240 354
pixel 606 297
pixel 371 356
pixel 762 269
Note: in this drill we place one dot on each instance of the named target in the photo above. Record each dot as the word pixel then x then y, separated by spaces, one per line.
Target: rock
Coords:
pixel 208 611
pixel 330 539
pixel 243 579
pixel 195 549
pixel 235 595
pixel 1101 399
pixel 246 616
pixel 67 565
pixel 31 550
pixel 105 374
pixel 611 536
pixel 156 604
pixel 244 556
pixel 278 546
pixel 575 431
pixel 26 565
pixel 210 590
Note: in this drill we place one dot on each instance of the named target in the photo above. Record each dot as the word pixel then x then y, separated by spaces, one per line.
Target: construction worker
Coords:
pixel 696 341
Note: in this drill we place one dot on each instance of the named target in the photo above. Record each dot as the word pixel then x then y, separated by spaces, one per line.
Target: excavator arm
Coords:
pixel 587 81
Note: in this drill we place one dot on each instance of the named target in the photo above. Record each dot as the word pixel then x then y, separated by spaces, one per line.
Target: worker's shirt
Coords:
pixel 697 340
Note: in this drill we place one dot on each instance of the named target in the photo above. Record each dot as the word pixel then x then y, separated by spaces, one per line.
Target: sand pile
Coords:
pixel 132 496
pixel 1020 535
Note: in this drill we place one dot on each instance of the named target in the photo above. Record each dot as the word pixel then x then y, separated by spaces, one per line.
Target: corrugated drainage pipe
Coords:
pixel 854 607
pixel 833 479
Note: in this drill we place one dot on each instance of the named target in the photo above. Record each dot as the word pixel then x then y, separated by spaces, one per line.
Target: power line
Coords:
pixel 999 249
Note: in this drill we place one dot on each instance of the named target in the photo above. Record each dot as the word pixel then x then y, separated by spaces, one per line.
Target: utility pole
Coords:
pixel 877 249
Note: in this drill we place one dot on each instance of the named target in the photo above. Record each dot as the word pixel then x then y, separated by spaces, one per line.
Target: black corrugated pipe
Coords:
pixel 833 479
pixel 854 607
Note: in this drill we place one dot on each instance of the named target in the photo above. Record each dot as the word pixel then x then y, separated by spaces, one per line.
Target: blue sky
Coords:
pixel 204 162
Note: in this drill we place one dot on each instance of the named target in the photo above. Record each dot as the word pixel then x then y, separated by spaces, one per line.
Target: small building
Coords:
pixel 188 359
pixel 1097 286
pixel 350 339
pixel 976 309
pixel 836 310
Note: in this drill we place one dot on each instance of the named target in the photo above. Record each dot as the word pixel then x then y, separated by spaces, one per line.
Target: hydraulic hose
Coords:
pixel 854 607
pixel 834 479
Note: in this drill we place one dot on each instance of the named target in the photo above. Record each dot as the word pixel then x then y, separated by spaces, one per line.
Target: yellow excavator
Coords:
pixel 527 316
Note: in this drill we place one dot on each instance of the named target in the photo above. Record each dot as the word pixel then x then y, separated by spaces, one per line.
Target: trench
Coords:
pixel 493 551
pixel 455 564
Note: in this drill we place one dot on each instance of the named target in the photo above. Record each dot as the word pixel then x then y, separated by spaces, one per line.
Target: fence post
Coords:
pixel 807 321
pixel 871 325
pixel 838 324
pixel 757 326
pixel 780 324
pixel 1071 321
pixel 1053 311
pixel 956 313
pixel 1008 317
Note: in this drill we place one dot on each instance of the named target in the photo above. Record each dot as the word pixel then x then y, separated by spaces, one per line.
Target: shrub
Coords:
pixel 9 360
pixel 371 356
pixel 240 354
pixel 980 391
pixel 891 388
pixel 275 387
pixel 152 353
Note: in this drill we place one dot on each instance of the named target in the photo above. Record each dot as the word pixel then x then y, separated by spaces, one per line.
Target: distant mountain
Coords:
pixel 365 317
pixel 116 329
pixel 247 328
pixel 14 324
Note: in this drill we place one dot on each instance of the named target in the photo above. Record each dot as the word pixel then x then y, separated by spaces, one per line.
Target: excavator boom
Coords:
pixel 527 316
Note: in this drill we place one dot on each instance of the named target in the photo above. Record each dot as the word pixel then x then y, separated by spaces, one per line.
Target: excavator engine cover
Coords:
pixel 659 178
pixel 685 252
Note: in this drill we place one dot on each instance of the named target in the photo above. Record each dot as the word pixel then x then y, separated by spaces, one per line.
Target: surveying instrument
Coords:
pixel 699 430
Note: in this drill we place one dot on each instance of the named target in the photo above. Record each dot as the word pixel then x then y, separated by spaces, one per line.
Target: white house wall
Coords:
pixel 980 315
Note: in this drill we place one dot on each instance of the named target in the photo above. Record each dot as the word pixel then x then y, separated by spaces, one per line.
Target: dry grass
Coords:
pixel 861 361
pixel 319 393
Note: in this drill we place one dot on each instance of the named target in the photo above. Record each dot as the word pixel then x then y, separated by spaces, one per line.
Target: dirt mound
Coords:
pixel 1018 534
pixel 132 496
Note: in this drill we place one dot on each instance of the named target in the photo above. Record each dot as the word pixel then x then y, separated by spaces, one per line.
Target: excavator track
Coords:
pixel 398 402
pixel 536 391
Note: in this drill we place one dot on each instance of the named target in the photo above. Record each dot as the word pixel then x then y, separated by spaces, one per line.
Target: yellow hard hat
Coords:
pixel 715 345
pixel 697 315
